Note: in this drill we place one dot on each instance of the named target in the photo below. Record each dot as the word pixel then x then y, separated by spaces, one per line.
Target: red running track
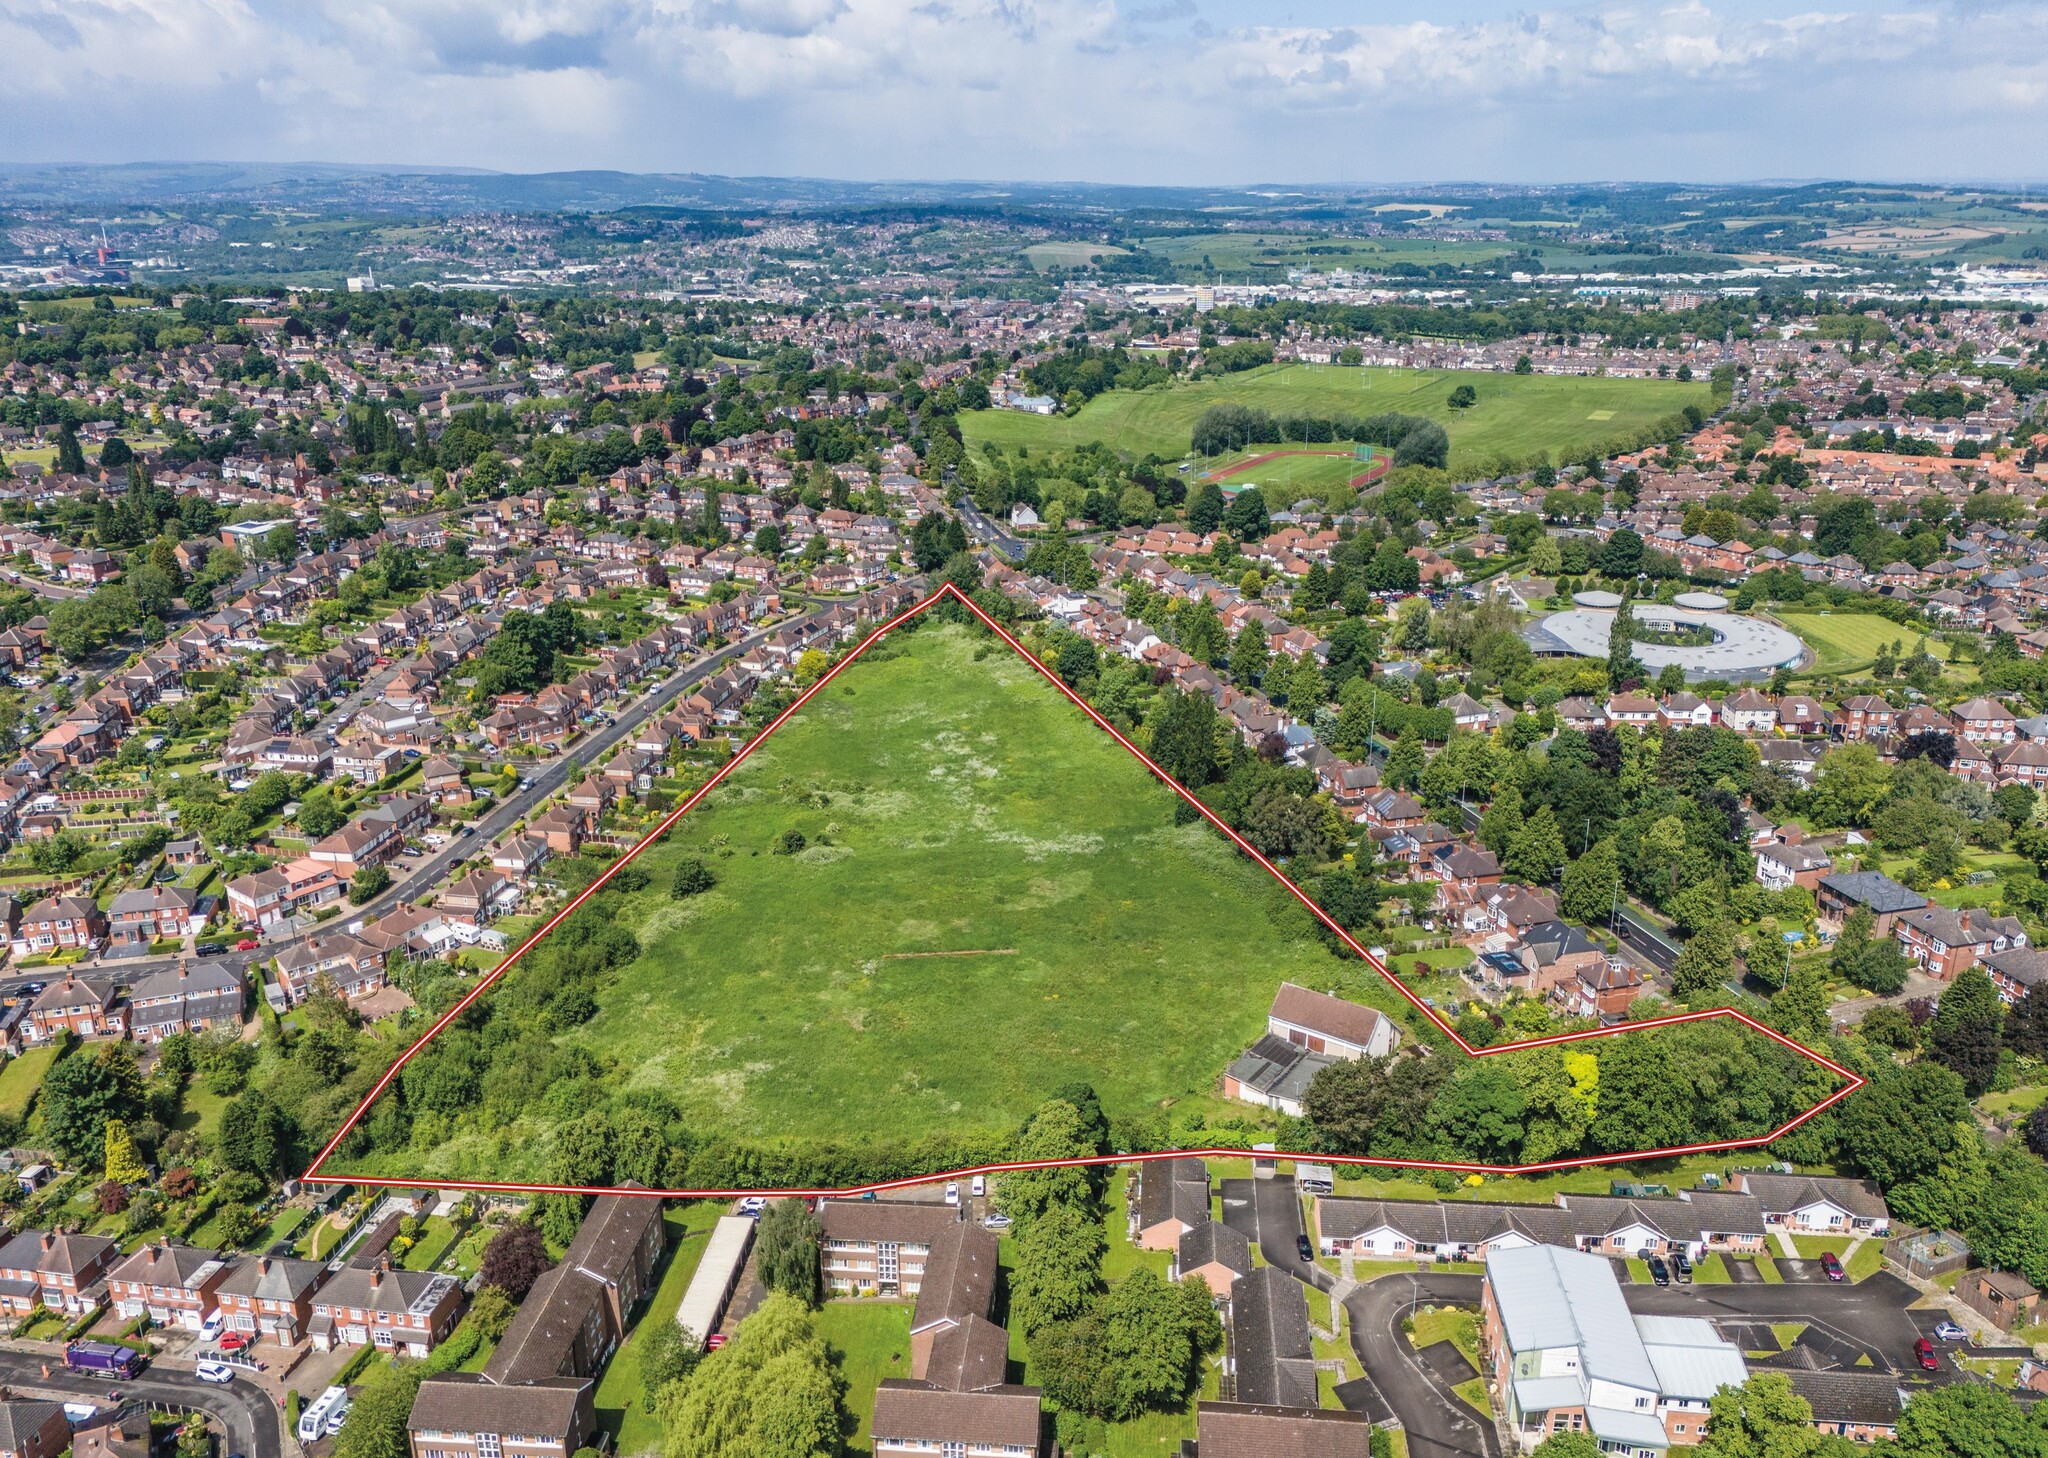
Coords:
pixel 1379 467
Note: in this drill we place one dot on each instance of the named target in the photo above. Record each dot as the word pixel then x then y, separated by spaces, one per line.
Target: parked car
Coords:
pixel 1948 1331
pixel 996 1220
pixel 214 1372
pixel 210 949
pixel 979 1187
pixel 1303 1249
pixel 1659 1272
pixel 1830 1265
pixel 211 1328
pixel 1924 1351
pixel 952 1192
pixel 1681 1267
pixel 246 944
pixel 751 1207
pixel 234 1341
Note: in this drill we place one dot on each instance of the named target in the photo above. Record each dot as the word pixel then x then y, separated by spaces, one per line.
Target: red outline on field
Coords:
pixel 1379 466
pixel 1852 1082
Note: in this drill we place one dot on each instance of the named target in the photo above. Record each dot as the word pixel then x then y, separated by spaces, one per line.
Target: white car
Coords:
pixel 996 1220
pixel 952 1192
pixel 210 1329
pixel 214 1372
pixel 751 1207
pixel 979 1187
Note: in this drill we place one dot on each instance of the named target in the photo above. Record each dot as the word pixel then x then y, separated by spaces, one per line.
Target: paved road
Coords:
pixel 1268 1214
pixel 252 1421
pixel 984 529
pixel 1438 1422
pixel 546 776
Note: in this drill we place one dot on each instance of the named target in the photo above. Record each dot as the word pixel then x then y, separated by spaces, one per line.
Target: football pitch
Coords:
pixel 1517 416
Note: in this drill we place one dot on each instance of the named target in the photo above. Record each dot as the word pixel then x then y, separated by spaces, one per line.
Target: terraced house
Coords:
pixel 403 1311
pixel 54 1270
pixel 174 1285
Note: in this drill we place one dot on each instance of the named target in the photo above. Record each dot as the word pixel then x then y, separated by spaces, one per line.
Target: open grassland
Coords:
pixel 1846 642
pixel 993 902
pixel 1267 253
pixel 1518 416
pixel 1070 255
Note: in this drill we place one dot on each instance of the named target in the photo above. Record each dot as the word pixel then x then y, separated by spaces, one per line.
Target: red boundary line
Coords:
pixel 313 1174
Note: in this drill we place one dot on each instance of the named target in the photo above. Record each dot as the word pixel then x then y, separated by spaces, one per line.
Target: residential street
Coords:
pixel 547 776
pixel 1439 1423
pixel 253 1424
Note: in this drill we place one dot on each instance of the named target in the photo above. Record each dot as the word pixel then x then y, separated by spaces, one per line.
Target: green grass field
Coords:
pixel 1069 255
pixel 1517 415
pixel 1310 473
pixel 1268 253
pixel 23 1077
pixel 994 902
pixel 1846 642
pixel 870 1341
pixel 618 1398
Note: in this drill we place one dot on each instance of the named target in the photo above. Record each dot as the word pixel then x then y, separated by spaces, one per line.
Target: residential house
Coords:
pixel 53 1269
pixel 84 1006
pixel 174 1285
pixel 1861 1406
pixel 1326 1024
pixel 1840 894
pixel 265 898
pixel 395 1310
pixel 1944 941
pixel 167 913
pixel 270 1296
pixel 1173 1198
pixel 1817 1204
pixel 187 998
pixel 1244 1430
pixel 60 923
pixel 31 1428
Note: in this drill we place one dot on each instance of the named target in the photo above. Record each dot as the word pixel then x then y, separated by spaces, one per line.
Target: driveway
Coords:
pixel 1268 1214
pixel 1438 1422
pixel 251 1419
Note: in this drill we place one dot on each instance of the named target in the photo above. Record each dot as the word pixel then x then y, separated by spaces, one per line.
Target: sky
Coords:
pixel 1216 92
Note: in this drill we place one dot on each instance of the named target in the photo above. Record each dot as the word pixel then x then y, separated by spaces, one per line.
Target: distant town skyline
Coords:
pixel 1115 91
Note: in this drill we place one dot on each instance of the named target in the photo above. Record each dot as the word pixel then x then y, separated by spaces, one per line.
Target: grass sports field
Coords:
pixel 1846 642
pixel 1310 468
pixel 1517 415
pixel 993 902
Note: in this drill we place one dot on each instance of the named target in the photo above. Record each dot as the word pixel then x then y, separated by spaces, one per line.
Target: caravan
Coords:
pixel 324 1417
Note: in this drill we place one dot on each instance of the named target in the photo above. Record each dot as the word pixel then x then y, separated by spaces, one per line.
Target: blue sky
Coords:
pixel 1168 91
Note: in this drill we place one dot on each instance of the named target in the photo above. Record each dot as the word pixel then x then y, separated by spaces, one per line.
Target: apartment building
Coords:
pixel 880 1247
pixel 466 1415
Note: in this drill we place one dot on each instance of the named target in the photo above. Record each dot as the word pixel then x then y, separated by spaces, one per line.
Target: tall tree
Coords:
pixel 1537 851
pixel 1966 1030
pixel 1592 883
pixel 787 1249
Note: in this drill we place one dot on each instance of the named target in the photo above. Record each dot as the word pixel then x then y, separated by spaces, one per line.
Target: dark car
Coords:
pixel 1830 1265
pixel 1304 1249
pixel 1924 1351
pixel 211 949
pixel 1681 1267
pixel 1659 1272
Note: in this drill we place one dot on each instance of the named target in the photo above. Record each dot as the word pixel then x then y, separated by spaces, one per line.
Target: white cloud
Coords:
pixel 1122 90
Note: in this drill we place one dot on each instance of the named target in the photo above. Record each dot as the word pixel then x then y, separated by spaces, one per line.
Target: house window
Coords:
pixel 487 1445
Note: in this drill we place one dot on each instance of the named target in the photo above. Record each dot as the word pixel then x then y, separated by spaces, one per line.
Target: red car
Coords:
pixel 246 944
pixel 234 1341
pixel 1829 1264
pixel 1924 1350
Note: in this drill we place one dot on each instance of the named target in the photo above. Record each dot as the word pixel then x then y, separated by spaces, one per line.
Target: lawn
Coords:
pixel 1517 415
pixel 871 1340
pixel 1846 642
pixel 22 1077
pixel 1330 466
pixel 436 1235
pixel 633 1429
pixel 986 873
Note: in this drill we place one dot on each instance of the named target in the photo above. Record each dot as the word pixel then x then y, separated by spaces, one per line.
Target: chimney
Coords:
pixel 377 1276
pixel 263 1265
pixel 49 1240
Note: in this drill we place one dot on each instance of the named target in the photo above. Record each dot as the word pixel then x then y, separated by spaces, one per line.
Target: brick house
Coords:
pixel 53 1269
pixel 59 923
pixel 408 1311
pixel 1779 866
pixel 466 1415
pixel 1944 941
pixel 139 917
pixel 270 1296
pixel 33 1429
pixel 577 1313
pixel 265 898
pixel 1817 1204
pixel 186 999
pixel 176 1285
pixel 1324 1024
pixel 85 1006
pixel 1841 893
pixel 880 1247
